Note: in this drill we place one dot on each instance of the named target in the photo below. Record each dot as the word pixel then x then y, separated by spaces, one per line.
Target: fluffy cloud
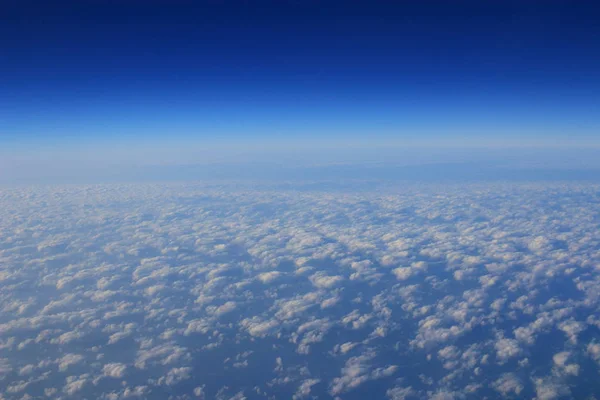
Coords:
pixel 323 281
pixel 69 359
pixel 121 291
pixel 357 371
pixel 561 365
pixel 175 375
pixel 268 277
pixel 507 348
pixel 256 327
pixel 114 370
pixel 305 388
pixel 508 384
pixel 547 389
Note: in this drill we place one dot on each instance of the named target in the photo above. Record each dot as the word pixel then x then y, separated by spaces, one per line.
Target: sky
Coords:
pixel 299 200
pixel 97 76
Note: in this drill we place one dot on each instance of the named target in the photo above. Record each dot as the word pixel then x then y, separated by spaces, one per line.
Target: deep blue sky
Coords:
pixel 101 70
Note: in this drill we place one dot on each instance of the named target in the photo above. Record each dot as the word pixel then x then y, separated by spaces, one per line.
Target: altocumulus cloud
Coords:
pixel 196 291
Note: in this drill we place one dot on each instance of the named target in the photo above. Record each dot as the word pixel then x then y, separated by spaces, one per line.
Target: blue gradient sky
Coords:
pixel 126 73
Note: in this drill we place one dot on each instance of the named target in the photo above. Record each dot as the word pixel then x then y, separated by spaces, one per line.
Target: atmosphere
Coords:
pixel 299 200
pixel 104 71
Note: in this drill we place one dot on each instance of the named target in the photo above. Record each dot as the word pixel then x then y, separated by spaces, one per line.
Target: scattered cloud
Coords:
pixel 125 291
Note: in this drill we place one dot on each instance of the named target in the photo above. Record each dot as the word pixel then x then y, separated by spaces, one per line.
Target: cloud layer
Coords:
pixel 199 291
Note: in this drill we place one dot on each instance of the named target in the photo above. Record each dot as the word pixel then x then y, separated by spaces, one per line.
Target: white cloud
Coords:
pixel 561 365
pixel 225 308
pixel 593 349
pixel 330 302
pixel 400 393
pixel 140 282
pixel 268 277
pixel 506 349
pixel 75 384
pixel 305 388
pixel 344 347
pixel 323 281
pixel 114 370
pixel 546 389
pixel 508 384
pixel 403 273
pixel 175 375
pixel 357 371
pixel 69 359
pixel 199 392
pixel 256 327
